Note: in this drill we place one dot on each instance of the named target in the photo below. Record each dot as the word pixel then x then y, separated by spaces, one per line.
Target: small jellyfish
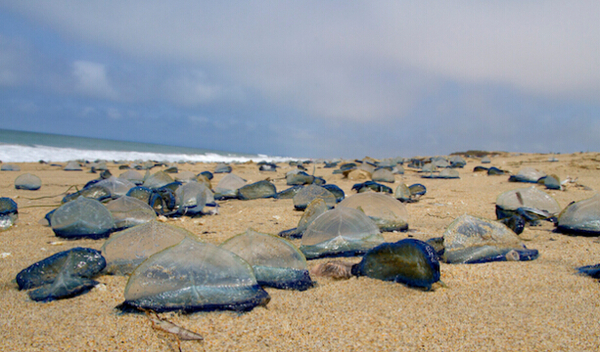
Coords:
pixel 28 182
pixel 82 218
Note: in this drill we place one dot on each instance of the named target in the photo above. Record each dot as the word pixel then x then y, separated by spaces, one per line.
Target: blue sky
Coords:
pixel 307 78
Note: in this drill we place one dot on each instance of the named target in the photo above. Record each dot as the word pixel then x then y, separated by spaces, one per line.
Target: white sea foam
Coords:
pixel 19 153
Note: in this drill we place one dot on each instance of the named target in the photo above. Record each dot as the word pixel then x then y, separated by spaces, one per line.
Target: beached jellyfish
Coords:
pixel 133 176
pixel 62 275
pixel 116 186
pixel 345 169
pixel 191 198
pixel 402 193
pixel 193 276
pixel 383 175
pixel 275 261
pixel 91 191
pixel 256 190
pixel 264 166
pixel 527 174
pixel 312 211
pixel 228 186
pixel 299 178
pixel 82 218
pixel 340 232
pixel 310 193
pixel 336 191
pixel 28 182
pixel 129 211
pixel 388 213
pixel 10 167
pixel 157 180
pixel 457 161
pixel 127 249
pixel 73 165
pixel 288 193
pixel 486 160
pixel 471 239
pixel 551 182
pixel 411 262
pixel 222 168
pixel 186 176
pixel 371 186
pixel 529 203
pixel 590 270
pixel 581 218
pixel 429 168
pixel 8 213
pixel 494 171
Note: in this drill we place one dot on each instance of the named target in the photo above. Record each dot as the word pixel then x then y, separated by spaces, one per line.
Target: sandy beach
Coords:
pixel 541 305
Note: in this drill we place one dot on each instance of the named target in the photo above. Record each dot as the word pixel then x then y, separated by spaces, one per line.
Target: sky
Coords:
pixel 319 79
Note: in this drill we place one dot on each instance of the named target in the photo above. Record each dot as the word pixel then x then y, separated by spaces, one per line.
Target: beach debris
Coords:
pixel 127 249
pixel 28 182
pixel 9 213
pixel 410 261
pixel 470 239
pixel 581 218
pixel 312 211
pixel 129 211
pixel 340 232
pixel 387 212
pixel 371 186
pixel 334 269
pixel 527 174
pixel 62 275
pixel 176 331
pixel 311 192
pixel 222 168
pixel 275 261
pixel 82 218
pixel 383 175
pixel 193 276
pixel 256 190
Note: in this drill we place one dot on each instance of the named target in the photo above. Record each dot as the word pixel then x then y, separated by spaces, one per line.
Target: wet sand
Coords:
pixel 540 305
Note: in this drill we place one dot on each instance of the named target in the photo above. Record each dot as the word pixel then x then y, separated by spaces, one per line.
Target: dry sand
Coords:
pixel 540 305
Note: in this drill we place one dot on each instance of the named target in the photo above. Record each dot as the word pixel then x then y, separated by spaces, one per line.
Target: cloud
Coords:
pixel 91 79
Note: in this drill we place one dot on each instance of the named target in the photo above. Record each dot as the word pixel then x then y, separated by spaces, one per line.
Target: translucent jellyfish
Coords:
pixel 340 232
pixel 387 212
pixel 133 177
pixel 191 198
pixel 222 168
pixel 471 239
pixel 275 261
pixel 82 218
pixel 409 261
pixel 116 186
pixel 310 193
pixel 193 276
pixel 28 182
pixel 73 166
pixel 10 167
pixel 313 210
pixel 127 249
pixel 129 211
pixel 256 190
pixel 186 176
pixel 62 275
pixel 529 197
pixel 581 218
pixel 157 180
pixel 228 186
pixel 383 175
pixel 8 213
pixel 457 161
pixel 527 174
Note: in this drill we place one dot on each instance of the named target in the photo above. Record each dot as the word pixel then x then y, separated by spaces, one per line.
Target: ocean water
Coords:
pixel 19 146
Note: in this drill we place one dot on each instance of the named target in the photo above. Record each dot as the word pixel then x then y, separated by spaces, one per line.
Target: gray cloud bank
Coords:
pixel 321 79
